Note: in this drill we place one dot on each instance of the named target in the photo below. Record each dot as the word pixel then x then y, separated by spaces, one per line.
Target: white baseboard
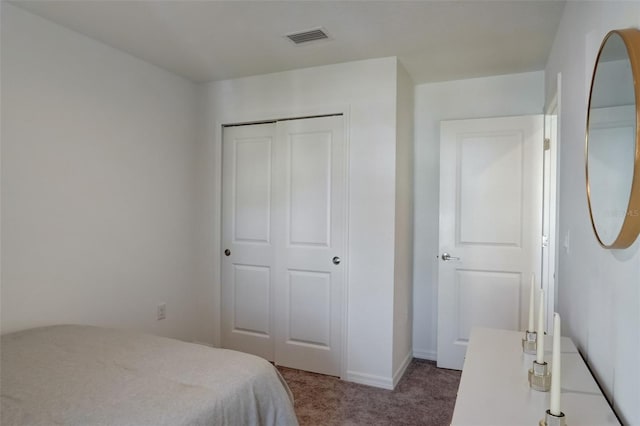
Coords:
pixel 370 380
pixel 403 367
pixel 425 354
pixel 380 381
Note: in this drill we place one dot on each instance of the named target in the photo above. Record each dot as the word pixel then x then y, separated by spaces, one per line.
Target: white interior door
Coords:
pixel 490 218
pixel 310 270
pixel 248 260
pixel 284 222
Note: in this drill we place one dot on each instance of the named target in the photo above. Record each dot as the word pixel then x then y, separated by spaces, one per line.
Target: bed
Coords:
pixel 85 375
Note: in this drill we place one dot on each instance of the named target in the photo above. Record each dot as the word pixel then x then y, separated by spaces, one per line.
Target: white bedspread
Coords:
pixel 83 375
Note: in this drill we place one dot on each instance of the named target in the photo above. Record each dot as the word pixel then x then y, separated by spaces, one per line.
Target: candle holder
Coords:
pixel 553 420
pixel 530 342
pixel 540 377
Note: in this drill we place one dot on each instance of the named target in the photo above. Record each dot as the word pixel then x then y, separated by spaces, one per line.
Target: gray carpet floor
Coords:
pixel 425 396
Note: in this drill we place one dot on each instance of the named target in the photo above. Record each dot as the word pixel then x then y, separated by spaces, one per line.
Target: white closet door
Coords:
pixel 247 233
pixel 311 243
pixel 284 224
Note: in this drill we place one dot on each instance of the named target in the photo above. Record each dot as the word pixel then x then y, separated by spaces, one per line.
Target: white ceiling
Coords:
pixel 215 40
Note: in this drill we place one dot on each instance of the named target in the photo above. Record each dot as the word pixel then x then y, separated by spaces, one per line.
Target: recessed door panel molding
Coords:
pixel 252 188
pixel 309 308
pixel 490 229
pixel 478 289
pixel 252 290
pixel 310 188
pixel 283 224
pixel 489 190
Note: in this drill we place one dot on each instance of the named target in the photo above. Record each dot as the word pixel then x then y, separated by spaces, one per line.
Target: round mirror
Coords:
pixel 612 148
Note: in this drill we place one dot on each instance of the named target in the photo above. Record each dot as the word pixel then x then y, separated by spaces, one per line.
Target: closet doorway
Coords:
pixel 284 241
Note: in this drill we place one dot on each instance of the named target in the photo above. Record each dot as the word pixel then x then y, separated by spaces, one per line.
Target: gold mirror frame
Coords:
pixel 631 225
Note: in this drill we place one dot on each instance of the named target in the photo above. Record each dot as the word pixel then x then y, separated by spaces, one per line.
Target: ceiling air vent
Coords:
pixel 307 36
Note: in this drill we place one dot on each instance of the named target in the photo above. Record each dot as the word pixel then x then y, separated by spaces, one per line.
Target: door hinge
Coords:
pixel 547 144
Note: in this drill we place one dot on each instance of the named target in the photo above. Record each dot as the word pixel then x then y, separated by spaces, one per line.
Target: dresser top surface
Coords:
pixel 494 387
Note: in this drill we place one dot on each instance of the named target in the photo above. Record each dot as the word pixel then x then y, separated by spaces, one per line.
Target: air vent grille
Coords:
pixel 307 36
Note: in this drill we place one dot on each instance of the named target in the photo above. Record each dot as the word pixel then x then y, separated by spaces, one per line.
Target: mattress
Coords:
pixel 85 375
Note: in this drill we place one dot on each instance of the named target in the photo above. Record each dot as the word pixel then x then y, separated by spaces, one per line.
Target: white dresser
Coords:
pixel 494 388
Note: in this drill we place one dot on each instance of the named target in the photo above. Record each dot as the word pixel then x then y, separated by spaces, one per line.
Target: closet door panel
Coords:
pixel 247 229
pixel 311 232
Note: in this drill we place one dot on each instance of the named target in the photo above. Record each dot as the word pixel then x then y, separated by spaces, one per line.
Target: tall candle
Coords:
pixel 555 368
pixel 540 331
pixel 531 302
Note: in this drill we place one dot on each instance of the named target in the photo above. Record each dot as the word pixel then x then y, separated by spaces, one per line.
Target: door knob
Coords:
pixel 447 257
pixel 227 252
pixel 336 260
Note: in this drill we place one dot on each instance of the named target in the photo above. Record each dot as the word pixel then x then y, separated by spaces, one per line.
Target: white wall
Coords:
pixel 403 276
pixel 366 91
pixel 598 289
pixel 98 159
pixel 507 95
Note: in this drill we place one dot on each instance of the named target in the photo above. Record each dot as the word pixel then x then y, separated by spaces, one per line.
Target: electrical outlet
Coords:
pixel 162 311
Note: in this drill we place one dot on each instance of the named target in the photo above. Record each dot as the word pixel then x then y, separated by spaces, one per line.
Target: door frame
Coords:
pixel 264 116
pixel 552 132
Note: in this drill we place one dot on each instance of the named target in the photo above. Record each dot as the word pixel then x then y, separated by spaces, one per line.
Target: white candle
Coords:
pixel 531 302
pixel 555 368
pixel 540 330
